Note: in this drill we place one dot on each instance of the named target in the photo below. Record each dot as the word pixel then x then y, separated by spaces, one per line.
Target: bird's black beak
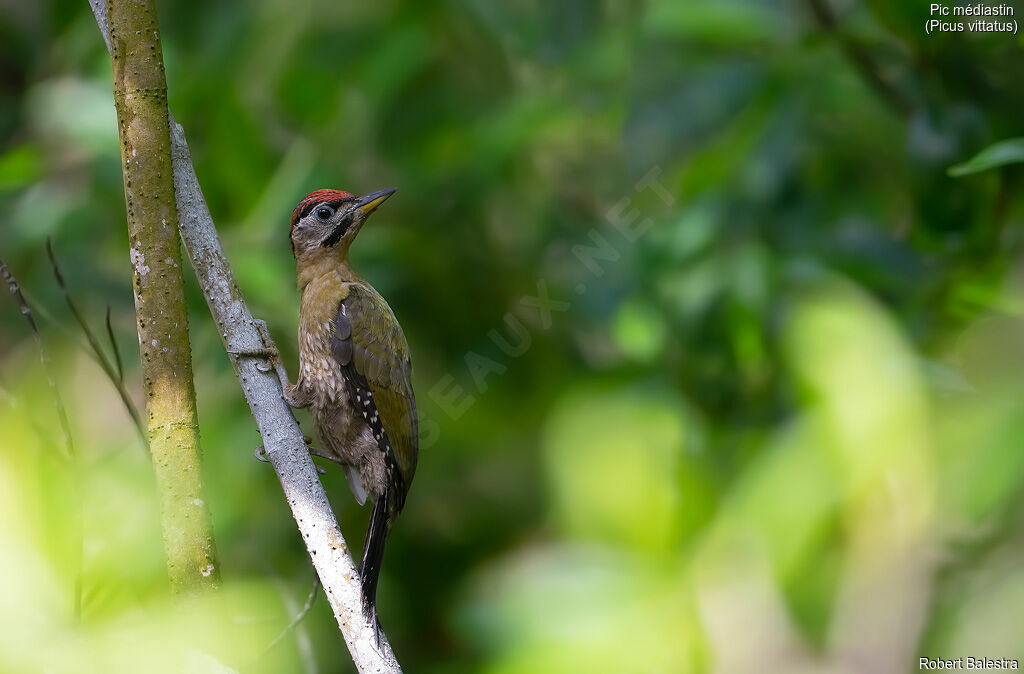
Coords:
pixel 368 203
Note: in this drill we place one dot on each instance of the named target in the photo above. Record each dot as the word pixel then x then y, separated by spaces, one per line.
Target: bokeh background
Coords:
pixel 767 415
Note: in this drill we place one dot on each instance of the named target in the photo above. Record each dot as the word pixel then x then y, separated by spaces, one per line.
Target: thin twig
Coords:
pixel 62 418
pixel 44 358
pixel 117 351
pixel 310 600
pixel 114 371
pixel 862 60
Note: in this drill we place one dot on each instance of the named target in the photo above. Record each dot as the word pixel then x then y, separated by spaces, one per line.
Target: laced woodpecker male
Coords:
pixel 355 375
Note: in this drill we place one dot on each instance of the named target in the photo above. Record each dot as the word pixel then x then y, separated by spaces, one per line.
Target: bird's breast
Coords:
pixel 319 371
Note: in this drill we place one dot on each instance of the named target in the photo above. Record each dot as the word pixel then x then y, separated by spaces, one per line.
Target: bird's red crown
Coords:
pixel 313 198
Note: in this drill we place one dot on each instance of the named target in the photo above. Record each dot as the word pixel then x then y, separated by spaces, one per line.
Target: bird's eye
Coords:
pixel 324 212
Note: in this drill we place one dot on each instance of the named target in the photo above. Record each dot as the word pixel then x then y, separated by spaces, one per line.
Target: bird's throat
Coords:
pixel 322 264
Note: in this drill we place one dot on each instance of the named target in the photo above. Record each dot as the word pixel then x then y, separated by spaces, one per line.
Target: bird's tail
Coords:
pixel 373 556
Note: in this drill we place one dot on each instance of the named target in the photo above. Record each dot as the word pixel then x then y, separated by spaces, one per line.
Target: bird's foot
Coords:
pixel 267 353
pixel 262 353
pixel 313 451
pixel 330 456
pixel 261 454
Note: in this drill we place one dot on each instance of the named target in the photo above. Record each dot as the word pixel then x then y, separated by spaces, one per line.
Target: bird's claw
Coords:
pixel 268 355
pixel 261 454
pixel 261 327
pixel 325 455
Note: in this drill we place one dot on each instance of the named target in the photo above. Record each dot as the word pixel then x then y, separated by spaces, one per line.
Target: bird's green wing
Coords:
pixel 371 348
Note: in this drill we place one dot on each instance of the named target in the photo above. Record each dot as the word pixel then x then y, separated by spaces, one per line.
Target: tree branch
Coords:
pixel 172 426
pixel 282 437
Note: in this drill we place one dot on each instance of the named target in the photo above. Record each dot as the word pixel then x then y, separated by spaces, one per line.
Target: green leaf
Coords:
pixel 1008 151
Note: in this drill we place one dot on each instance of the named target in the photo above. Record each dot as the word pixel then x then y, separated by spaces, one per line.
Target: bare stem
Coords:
pixel 115 370
pixel 117 357
pixel 310 599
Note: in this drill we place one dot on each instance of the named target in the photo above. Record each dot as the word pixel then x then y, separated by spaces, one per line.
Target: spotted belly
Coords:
pixel 340 427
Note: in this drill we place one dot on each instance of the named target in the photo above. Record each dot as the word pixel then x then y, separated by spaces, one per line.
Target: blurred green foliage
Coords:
pixel 771 422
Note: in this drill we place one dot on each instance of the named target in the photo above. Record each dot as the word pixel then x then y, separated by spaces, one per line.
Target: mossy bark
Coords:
pixel 140 96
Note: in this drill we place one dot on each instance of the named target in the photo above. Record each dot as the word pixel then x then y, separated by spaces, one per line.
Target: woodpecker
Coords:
pixel 355 375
